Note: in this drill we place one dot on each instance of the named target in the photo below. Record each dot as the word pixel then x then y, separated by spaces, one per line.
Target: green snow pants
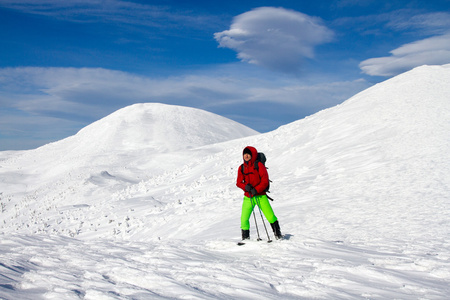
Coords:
pixel 249 204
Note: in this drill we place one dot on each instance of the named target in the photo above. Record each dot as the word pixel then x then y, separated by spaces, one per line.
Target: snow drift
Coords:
pixel 361 191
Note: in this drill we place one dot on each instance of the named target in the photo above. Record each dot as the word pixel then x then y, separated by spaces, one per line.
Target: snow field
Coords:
pixel 361 191
pixel 67 268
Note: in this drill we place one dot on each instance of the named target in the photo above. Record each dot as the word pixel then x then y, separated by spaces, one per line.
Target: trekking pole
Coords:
pixel 264 223
pixel 254 216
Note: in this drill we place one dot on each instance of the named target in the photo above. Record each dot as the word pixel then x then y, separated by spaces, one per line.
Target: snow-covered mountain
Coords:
pixel 137 136
pixel 143 204
pixel 156 126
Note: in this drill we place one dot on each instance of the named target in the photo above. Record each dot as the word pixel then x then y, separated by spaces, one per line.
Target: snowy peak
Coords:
pixel 140 130
pixel 152 127
pixel 405 114
pixel 161 127
pixel 411 111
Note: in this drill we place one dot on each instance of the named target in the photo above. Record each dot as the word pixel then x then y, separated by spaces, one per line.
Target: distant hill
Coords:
pixel 157 126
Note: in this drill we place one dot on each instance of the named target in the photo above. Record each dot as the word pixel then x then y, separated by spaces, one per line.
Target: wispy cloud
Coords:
pixel 275 38
pixel 110 11
pixel 41 90
pixel 431 51
pixel 67 98
pixel 436 23
pixel 405 21
pixel 51 90
pixel 429 32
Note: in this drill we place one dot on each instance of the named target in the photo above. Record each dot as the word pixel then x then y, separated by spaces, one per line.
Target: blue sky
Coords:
pixel 66 64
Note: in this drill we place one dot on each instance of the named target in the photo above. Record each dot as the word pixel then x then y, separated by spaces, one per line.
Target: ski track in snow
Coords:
pixel 361 191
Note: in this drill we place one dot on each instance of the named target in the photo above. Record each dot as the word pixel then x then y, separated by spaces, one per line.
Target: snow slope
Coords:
pixel 361 192
pixel 138 136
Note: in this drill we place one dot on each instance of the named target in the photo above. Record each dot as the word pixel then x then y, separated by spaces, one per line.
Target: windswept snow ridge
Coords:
pixel 122 212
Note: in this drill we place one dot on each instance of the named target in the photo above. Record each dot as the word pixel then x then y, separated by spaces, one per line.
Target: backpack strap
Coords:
pixel 256 167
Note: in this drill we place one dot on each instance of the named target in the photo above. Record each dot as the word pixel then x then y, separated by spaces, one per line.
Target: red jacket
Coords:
pixel 259 179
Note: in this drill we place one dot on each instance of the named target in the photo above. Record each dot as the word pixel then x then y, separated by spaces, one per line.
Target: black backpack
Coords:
pixel 261 157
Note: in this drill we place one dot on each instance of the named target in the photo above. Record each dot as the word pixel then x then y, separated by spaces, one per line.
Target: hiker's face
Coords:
pixel 247 157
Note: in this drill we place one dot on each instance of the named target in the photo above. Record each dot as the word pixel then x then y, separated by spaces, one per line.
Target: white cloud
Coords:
pixel 86 93
pixel 430 51
pixel 53 103
pixel 320 95
pixel 110 11
pixel 275 38
pixel 435 23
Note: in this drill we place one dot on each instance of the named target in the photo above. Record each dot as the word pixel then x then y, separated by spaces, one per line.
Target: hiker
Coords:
pixel 253 180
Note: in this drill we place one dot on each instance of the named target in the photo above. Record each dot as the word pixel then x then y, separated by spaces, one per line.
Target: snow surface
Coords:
pixel 143 205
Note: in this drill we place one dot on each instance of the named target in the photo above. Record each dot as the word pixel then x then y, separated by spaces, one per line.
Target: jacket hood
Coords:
pixel 254 153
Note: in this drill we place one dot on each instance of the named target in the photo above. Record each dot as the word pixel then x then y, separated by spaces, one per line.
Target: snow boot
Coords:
pixel 245 234
pixel 276 230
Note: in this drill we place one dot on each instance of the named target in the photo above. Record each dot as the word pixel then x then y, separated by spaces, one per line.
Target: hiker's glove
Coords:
pixel 248 187
pixel 253 191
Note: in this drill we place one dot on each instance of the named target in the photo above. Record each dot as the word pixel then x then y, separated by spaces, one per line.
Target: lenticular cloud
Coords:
pixel 430 51
pixel 275 38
